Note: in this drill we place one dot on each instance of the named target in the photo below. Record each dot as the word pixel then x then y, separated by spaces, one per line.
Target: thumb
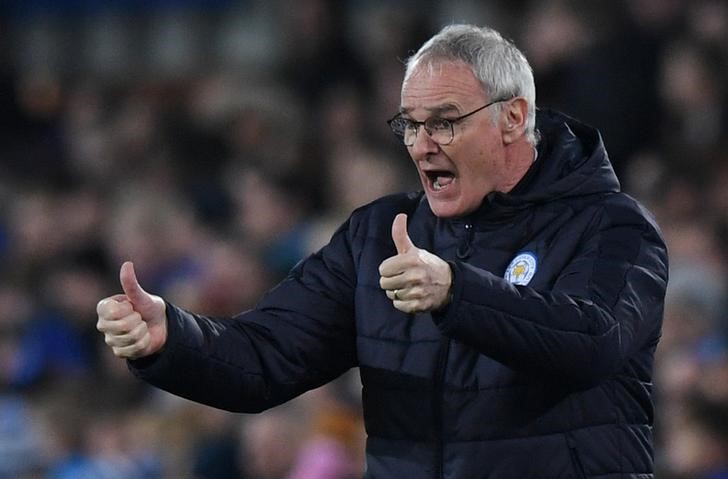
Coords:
pixel 132 289
pixel 402 241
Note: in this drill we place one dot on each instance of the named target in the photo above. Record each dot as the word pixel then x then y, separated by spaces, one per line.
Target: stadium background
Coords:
pixel 215 143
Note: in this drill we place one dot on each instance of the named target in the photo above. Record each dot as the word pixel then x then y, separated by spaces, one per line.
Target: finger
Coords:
pixel 407 278
pixel 131 286
pixel 414 293
pixel 119 326
pixel 397 265
pixel 405 306
pixel 391 266
pixel 133 351
pixel 410 304
pixel 127 339
pixel 401 239
pixel 392 283
pixel 397 296
pixel 114 307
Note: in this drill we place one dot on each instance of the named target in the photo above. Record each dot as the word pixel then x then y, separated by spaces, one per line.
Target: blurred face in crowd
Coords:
pixel 457 176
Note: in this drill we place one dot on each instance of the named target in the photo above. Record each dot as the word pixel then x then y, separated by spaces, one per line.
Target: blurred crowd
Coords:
pixel 216 143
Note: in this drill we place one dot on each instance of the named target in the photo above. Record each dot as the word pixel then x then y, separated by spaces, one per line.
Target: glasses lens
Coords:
pixel 440 130
pixel 410 133
pixel 404 129
pixel 398 126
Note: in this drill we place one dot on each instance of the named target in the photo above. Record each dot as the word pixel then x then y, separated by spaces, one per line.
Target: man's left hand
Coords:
pixel 415 280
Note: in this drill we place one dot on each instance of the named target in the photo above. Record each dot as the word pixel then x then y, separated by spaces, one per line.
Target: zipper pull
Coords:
pixel 465 248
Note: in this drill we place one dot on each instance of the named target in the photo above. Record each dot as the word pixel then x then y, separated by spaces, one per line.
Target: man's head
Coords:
pixel 482 85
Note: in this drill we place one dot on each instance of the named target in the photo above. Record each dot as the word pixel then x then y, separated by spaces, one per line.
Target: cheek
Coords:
pixel 481 167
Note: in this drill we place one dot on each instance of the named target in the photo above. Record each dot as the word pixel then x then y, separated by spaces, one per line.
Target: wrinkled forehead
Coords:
pixel 440 81
pixel 434 65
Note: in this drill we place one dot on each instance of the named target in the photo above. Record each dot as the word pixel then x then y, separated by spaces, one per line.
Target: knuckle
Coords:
pixel 106 309
pixel 122 309
pixel 136 319
pixel 113 311
pixel 126 352
pixel 138 332
pixel 404 306
pixel 109 311
pixel 145 340
pixel 101 306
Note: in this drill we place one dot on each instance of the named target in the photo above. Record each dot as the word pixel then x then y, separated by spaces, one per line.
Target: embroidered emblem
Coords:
pixel 521 269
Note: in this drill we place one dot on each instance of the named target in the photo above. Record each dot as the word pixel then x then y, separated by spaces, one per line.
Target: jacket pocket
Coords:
pixel 575 457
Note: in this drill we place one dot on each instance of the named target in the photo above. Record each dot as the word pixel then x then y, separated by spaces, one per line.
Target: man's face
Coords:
pixel 455 177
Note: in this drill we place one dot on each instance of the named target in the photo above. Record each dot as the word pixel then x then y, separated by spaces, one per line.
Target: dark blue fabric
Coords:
pixel 547 380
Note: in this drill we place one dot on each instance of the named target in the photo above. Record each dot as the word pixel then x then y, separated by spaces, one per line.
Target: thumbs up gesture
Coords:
pixel 414 279
pixel 134 323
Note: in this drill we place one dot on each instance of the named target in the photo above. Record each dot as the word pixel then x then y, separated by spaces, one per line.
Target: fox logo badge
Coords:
pixel 521 269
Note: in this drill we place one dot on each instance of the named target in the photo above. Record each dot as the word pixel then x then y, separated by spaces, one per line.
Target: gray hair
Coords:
pixel 500 66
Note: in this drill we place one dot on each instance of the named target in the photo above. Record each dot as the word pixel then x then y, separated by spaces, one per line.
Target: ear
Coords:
pixel 513 120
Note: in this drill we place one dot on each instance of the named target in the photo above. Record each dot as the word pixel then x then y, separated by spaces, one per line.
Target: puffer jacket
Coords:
pixel 539 368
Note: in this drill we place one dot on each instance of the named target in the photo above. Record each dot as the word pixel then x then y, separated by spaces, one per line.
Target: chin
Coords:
pixel 446 209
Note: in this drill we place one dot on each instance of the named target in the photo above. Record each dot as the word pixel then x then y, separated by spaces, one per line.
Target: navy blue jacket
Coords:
pixel 539 368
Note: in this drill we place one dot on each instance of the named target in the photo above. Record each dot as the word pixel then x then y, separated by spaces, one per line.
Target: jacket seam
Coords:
pixel 396 340
pixel 519 438
pixel 223 361
pixel 540 326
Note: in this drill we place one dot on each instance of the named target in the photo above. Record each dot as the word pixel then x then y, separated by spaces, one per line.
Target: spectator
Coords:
pixel 270 87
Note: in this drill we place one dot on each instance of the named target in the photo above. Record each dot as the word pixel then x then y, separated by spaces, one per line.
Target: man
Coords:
pixel 504 321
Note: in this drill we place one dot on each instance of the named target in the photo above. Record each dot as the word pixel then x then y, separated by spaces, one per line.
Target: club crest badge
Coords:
pixel 521 269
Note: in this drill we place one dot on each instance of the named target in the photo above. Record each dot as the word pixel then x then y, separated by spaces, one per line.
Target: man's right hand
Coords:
pixel 134 323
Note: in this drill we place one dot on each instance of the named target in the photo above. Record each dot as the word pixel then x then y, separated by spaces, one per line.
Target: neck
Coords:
pixel 520 156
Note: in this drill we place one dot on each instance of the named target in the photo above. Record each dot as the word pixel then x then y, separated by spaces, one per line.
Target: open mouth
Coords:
pixel 439 179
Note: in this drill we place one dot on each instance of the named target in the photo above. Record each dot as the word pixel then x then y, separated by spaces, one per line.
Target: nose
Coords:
pixel 424 145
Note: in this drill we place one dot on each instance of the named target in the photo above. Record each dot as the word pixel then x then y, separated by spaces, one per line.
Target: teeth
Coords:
pixel 436 185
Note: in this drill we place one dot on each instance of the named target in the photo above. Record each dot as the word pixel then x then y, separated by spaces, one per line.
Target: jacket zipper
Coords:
pixel 438 406
pixel 464 251
pixel 465 248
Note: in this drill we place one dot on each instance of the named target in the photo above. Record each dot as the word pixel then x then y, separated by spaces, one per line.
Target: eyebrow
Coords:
pixel 436 110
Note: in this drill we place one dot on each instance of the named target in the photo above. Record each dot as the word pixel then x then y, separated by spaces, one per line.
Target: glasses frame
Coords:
pixel 428 130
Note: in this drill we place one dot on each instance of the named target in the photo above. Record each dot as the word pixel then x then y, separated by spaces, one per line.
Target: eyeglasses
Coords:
pixel 439 129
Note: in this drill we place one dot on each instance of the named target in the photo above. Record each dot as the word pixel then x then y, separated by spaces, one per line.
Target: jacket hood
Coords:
pixel 572 161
